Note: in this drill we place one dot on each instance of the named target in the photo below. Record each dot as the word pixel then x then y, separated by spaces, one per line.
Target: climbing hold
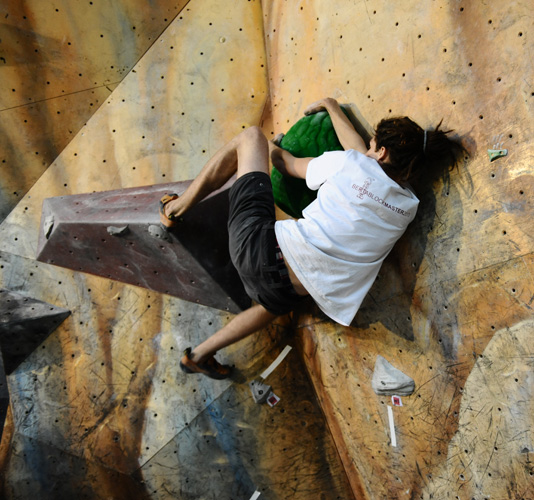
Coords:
pixel 260 391
pixel 118 231
pixel 387 380
pixel 157 231
pixel 48 225
pixel 24 324
pixel 196 255
pixel 496 153
pixel 311 136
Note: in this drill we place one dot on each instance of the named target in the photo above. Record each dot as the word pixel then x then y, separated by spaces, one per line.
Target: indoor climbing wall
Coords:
pixel 59 61
pixel 101 96
pixel 101 409
pixel 452 305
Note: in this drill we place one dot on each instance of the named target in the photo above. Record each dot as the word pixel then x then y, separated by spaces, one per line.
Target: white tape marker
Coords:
pixel 255 496
pixel 276 362
pixel 392 427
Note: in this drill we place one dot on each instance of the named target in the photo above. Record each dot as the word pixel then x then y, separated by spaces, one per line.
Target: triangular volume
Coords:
pixel 24 324
pixel 117 235
pixel 389 380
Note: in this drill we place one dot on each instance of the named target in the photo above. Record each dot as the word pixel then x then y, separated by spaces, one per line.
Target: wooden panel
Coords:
pixel 105 388
pixel 463 270
pixel 237 447
pixel 451 338
pixel 341 362
pixel 106 385
pixel 490 456
pixel 4 405
pixel 58 63
pixel 60 48
pixel 62 476
pixel 152 129
pixel 26 152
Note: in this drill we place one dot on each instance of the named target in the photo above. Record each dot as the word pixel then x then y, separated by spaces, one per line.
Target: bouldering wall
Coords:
pixel 101 409
pixel 59 62
pixel 452 305
pixel 102 96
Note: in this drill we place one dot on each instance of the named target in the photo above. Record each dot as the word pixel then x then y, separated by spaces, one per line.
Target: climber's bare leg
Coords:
pixel 241 326
pixel 247 152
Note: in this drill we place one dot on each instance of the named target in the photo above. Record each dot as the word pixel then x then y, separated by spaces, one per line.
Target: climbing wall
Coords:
pixel 101 409
pixel 59 61
pixel 452 305
pixel 114 95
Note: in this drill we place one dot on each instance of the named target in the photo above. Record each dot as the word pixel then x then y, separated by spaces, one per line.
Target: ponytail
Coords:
pixel 414 152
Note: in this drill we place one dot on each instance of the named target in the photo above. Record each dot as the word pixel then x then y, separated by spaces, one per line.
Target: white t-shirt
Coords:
pixel 338 247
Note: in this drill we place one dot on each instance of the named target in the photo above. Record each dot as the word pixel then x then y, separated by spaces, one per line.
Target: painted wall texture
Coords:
pixel 458 287
pixel 101 96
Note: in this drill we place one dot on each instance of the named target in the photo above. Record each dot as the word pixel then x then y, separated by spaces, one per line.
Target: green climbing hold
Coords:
pixel 311 136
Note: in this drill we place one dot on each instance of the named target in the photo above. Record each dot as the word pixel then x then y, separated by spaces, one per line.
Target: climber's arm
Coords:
pixel 288 164
pixel 347 135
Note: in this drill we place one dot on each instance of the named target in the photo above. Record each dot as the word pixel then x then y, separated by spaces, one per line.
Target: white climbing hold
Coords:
pixel 158 232
pixel 387 380
pixel 260 391
pixel 118 231
pixel 48 225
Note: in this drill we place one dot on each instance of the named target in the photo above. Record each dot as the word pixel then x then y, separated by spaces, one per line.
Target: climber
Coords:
pixel 364 204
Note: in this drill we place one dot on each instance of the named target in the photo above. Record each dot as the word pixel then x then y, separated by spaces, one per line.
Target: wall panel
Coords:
pixel 59 61
pixel 462 271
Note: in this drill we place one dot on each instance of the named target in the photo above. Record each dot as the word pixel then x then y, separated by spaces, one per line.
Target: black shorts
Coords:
pixel 253 247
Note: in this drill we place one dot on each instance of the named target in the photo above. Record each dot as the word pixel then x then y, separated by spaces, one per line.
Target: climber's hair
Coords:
pixel 414 152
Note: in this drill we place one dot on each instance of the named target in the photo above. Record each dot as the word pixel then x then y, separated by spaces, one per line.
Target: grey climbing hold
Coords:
pixel 158 232
pixel 118 231
pixel 260 391
pixel 387 380
pixel 48 225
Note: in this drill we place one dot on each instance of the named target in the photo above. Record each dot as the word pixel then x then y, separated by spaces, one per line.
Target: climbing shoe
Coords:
pixel 170 221
pixel 211 367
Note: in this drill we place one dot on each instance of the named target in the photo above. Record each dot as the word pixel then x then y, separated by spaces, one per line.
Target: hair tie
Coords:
pixel 424 142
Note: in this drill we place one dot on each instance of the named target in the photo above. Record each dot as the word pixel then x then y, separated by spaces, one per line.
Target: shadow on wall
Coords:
pixel 390 299
pixel 26 53
pixel 358 121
